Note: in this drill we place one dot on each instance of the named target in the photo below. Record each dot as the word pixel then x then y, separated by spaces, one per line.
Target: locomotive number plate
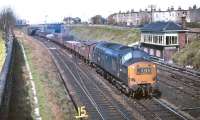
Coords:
pixel 145 70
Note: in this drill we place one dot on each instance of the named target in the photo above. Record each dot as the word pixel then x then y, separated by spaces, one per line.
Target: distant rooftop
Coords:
pixel 161 27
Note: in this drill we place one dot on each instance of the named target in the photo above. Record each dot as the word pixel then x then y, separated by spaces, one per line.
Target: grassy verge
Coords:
pixel 38 78
pixel 2 51
pixel 123 36
pixel 190 55
pixel 53 101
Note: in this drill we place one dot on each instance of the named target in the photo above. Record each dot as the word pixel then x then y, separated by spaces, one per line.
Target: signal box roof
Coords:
pixel 162 26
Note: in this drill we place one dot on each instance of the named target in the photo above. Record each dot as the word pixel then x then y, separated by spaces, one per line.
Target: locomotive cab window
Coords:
pixel 127 57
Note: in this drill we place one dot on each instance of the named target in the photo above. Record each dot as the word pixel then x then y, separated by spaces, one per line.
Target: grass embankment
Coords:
pixel 53 101
pixel 119 35
pixel 2 51
pixel 193 25
pixel 190 55
pixel 38 78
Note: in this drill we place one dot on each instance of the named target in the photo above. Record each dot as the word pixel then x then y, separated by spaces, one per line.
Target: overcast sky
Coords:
pixel 35 10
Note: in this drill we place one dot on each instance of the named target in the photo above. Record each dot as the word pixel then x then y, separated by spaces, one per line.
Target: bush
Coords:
pixel 190 55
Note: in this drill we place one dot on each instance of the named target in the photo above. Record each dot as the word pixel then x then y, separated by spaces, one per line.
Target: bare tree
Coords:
pixel 98 19
pixel 111 20
pixel 194 6
pixel 7 19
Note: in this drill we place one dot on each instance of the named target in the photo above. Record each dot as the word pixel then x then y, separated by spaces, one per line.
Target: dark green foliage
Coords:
pixel 190 55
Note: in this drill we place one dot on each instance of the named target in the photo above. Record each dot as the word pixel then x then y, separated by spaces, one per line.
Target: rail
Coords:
pixel 97 105
pixel 176 67
pixel 173 110
pixel 167 110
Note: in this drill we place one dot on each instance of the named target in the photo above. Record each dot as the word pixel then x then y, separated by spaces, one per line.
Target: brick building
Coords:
pixel 136 18
pixel 163 39
pixel 131 18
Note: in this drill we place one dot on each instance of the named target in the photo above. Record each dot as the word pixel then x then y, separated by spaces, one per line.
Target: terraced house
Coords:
pixel 133 18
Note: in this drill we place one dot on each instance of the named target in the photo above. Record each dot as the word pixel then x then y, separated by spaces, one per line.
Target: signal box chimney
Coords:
pixel 183 18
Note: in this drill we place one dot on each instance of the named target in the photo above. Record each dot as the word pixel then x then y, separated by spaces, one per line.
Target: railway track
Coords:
pixel 191 81
pixel 178 70
pixel 160 111
pixel 154 109
pixel 102 106
pixel 158 107
pixel 183 87
pixel 184 84
pixel 97 103
pixel 185 97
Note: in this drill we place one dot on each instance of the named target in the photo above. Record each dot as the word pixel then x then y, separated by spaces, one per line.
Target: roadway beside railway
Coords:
pixel 54 103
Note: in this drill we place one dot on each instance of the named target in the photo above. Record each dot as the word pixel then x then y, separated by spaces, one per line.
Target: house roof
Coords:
pixel 162 27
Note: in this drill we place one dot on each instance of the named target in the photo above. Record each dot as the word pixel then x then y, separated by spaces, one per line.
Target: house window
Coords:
pixel 155 39
pixel 160 39
pixel 144 38
pixel 147 38
pixel 151 39
pixel 174 40
pixel 167 40
pixel 171 40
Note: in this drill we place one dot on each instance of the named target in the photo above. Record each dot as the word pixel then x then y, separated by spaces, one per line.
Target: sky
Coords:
pixel 37 11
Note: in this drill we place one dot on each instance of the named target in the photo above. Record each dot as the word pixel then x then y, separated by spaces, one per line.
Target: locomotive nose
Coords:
pixel 142 73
